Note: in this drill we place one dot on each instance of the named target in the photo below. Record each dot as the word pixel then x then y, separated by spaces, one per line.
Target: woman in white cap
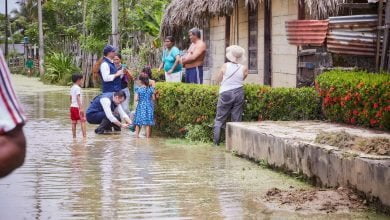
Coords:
pixel 231 93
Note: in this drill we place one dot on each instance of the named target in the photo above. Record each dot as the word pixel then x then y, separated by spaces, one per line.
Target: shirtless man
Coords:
pixel 193 60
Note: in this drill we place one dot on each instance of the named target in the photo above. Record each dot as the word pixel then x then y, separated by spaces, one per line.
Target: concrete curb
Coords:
pixel 290 146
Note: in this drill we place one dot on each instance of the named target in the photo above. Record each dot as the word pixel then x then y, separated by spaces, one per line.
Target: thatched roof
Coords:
pixel 181 14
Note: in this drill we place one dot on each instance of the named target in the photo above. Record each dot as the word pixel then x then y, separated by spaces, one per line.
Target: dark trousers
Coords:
pixel 194 75
pixel 230 103
pixel 101 119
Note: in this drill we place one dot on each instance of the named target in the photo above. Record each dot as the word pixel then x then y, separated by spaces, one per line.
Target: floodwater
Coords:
pixel 120 177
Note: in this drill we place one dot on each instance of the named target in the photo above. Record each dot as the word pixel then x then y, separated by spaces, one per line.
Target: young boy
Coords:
pixel 76 107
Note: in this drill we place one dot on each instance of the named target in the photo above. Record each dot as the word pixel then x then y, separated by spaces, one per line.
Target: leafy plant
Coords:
pixel 59 69
pixel 355 97
pixel 188 110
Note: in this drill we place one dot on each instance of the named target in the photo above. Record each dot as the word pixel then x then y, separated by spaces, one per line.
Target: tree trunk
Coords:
pixel 41 45
pixel 115 34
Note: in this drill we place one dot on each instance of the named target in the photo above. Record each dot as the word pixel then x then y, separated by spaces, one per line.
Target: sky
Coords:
pixel 11 5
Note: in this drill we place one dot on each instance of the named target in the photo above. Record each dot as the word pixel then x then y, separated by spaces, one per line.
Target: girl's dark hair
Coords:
pixel 118 55
pixel 148 71
pixel 96 69
pixel 170 38
pixel 144 78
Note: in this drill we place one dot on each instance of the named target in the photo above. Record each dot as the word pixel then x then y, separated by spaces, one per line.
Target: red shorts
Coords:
pixel 75 114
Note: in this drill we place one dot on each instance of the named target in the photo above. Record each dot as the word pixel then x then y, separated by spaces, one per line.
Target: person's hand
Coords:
pixel 81 111
pixel 159 69
pixel 169 72
pixel 125 125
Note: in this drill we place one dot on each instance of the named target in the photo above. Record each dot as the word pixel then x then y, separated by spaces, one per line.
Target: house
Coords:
pixel 256 25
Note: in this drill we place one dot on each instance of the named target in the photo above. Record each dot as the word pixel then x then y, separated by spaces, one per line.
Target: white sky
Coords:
pixel 11 5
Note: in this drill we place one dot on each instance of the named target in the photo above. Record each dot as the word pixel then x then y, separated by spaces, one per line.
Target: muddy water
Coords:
pixel 120 177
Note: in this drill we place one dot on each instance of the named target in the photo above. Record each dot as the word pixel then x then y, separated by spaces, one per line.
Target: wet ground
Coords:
pixel 120 177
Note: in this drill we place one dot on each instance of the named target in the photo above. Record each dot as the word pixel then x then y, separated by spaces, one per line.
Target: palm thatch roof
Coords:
pixel 182 14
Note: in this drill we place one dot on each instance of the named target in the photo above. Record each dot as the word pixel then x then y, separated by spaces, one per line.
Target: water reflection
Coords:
pixel 120 177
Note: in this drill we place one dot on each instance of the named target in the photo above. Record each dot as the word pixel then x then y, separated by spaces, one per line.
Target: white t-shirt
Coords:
pixel 74 92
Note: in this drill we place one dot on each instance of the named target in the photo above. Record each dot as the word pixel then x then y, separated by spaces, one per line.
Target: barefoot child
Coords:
pixel 144 114
pixel 76 107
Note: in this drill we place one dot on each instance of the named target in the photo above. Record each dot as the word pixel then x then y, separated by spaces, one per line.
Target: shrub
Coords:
pixel 59 69
pixel 157 75
pixel 354 97
pixel 180 105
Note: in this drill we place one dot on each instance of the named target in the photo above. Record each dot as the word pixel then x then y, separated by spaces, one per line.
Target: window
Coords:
pixel 252 40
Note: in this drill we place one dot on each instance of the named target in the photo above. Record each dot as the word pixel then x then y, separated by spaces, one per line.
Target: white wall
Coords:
pixel 284 55
pixel 217 47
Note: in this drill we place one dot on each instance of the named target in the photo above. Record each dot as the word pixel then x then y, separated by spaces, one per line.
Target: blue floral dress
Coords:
pixel 144 114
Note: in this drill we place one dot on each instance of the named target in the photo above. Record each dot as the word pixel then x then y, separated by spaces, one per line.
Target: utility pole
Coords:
pixel 41 46
pixel 114 12
pixel 6 29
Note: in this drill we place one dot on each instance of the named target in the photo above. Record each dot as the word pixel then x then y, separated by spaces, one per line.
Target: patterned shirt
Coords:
pixel 11 112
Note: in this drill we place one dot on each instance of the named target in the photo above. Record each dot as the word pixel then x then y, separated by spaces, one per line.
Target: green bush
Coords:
pixel 181 106
pixel 157 75
pixel 59 69
pixel 354 97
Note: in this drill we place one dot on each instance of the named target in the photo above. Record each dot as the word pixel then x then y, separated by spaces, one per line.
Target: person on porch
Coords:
pixel 194 59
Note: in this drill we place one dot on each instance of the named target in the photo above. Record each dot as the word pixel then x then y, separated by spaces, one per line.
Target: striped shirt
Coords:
pixel 11 112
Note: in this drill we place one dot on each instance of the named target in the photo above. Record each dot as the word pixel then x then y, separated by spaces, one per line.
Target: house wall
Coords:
pixel 217 45
pixel 284 56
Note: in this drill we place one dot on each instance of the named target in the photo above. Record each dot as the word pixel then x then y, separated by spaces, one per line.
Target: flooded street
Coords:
pixel 120 177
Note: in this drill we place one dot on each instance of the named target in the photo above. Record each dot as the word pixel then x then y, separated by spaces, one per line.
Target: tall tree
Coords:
pixel 41 45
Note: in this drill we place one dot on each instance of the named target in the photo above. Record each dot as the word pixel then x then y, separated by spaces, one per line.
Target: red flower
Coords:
pixel 378 114
pixel 373 122
pixel 376 105
pixel 353 121
pixel 355 112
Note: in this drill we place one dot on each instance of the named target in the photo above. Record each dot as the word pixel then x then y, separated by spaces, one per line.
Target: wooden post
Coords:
pixel 386 37
pixel 378 38
pixel 301 10
pixel 227 31
pixel 267 42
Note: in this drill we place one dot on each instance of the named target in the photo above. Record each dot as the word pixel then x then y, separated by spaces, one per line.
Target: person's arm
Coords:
pixel 123 114
pixel 106 104
pixel 199 50
pixel 105 71
pixel 136 97
pixel 81 109
pixel 221 73
pixel 161 66
pixel 12 140
pixel 177 61
pixel 12 150
pixel 246 72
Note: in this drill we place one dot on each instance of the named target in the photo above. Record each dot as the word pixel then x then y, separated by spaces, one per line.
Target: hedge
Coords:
pixel 182 106
pixel 357 98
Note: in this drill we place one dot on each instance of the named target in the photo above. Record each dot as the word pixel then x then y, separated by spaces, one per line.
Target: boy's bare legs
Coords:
pixel 148 131
pixel 74 124
pixel 84 128
pixel 137 130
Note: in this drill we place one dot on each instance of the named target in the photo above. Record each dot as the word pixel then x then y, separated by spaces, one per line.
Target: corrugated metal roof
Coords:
pixel 352 35
pixel 306 32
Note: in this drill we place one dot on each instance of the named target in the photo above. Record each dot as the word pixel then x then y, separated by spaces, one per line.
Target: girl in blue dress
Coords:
pixel 144 114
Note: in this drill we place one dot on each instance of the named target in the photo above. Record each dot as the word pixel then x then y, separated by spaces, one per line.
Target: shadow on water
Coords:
pixel 120 177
